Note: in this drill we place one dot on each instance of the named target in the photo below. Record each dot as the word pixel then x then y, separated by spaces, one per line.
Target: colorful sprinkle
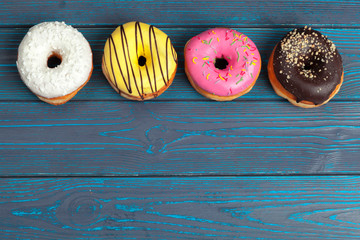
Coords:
pixel 234 34
pixel 207 76
pixel 231 68
pixel 238 56
pixel 221 77
pixel 218 39
pixel 206 42
pixel 228 57
pixel 203 64
pixel 230 75
pixel 237 75
pixel 251 75
pixel 245 58
pixel 239 80
pixel 217 81
pixel 194 59
pixel 213 32
pixel 205 58
pixel 245 39
pixel 233 42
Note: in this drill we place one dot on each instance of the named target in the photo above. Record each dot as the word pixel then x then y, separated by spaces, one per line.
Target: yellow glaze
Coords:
pixel 121 66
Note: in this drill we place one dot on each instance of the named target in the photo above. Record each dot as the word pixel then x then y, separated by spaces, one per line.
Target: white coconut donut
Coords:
pixel 54 61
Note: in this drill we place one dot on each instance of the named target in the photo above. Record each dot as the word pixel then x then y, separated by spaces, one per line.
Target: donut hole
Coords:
pixel 142 61
pixel 54 60
pixel 308 66
pixel 313 64
pixel 221 63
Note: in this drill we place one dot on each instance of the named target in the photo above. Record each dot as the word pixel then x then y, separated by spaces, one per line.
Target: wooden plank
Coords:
pixel 347 40
pixel 186 208
pixel 178 138
pixel 184 13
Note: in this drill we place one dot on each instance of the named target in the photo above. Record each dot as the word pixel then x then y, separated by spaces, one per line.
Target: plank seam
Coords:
pixel 239 100
pixel 185 175
pixel 281 26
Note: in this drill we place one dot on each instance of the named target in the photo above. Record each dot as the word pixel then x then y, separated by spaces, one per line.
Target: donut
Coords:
pixel 139 61
pixel 221 63
pixel 306 68
pixel 54 61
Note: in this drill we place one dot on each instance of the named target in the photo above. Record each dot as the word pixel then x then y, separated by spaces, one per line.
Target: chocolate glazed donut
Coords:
pixel 306 68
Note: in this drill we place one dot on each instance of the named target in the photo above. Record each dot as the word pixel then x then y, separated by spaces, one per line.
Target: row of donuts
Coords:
pixel 139 62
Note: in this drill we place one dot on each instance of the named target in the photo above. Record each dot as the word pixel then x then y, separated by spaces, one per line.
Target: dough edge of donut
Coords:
pixel 144 97
pixel 64 99
pixel 216 97
pixel 47 95
pixel 159 81
pixel 282 92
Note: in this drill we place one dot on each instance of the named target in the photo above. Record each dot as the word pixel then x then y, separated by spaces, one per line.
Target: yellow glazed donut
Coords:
pixel 139 61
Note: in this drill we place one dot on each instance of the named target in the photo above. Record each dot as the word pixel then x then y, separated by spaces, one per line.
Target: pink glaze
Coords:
pixel 243 59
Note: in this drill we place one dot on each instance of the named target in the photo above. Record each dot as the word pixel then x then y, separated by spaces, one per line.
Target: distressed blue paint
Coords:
pixel 31 212
pixel 180 223
pixel 128 208
pixel 179 135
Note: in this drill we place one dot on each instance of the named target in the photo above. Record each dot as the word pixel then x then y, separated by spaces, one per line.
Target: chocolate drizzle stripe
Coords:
pixel 151 30
pixel 123 37
pixel 112 68
pixel 167 67
pixel 137 25
pixel 118 63
pixel 137 56
pixel 129 66
pixel 152 59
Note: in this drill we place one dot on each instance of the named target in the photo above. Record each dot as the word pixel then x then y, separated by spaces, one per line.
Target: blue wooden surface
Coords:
pixel 180 208
pixel 180 166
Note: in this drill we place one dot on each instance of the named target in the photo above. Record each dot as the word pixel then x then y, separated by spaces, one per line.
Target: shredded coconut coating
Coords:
pixel 41 42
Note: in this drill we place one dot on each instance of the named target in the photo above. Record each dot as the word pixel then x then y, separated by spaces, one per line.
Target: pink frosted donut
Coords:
pixel 221 63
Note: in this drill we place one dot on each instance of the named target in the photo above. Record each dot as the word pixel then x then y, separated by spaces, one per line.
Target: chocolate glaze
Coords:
pixel 307 65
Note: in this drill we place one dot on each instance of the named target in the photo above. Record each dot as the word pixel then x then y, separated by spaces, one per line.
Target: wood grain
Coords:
pixel 186 208
pixel 178 138
pixel 180 166
pixel 347 40
pixel 184 13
